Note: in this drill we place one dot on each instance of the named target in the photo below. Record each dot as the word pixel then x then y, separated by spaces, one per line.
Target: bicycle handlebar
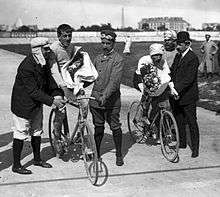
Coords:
pixel 76 103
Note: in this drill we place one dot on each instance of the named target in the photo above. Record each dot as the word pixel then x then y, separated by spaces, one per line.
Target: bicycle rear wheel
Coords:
pixel 135 122
pixel 169 136
pixel 57 150
pixel 89 154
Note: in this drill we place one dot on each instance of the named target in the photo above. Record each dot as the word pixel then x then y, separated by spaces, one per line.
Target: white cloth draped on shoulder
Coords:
pixel 87 72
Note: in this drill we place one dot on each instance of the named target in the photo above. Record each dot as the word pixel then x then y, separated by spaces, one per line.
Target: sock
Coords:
pixel 35 143
pixel 17 149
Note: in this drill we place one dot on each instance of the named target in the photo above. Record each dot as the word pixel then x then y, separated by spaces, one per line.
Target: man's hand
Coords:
pixel 101 101
pixel 68 93
pixel 174 93
pixel 58 102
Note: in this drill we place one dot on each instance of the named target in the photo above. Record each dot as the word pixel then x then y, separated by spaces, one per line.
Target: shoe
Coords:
pixel 158 141
pixel 119 161
pixel 217 113
pixel 21 170
pixel 195 154
pixel 172 143
pixel 42 164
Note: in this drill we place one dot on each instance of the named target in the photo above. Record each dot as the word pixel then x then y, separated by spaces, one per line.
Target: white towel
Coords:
pixel 87 72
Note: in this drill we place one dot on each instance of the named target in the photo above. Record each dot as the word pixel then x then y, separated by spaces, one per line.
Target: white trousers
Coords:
pixel 23 128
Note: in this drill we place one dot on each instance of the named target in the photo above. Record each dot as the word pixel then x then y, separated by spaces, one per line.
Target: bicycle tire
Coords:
pixel 169 136
pixel 90 158
pixel 64 131
pixel 135 125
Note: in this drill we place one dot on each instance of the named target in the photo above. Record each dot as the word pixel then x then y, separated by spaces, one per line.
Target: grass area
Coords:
pixel 209 89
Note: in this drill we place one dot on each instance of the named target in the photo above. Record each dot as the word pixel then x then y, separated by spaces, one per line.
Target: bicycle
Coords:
pixel 81 131
pixel 141 128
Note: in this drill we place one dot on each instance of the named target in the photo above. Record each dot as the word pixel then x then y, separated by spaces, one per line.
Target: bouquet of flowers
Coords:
pixel 151 79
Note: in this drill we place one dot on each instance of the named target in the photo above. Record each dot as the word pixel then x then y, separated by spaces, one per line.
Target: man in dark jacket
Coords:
pixel 184 76
pixel 33 87
pixel 107 91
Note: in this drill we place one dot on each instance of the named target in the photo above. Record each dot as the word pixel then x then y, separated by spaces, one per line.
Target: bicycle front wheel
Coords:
pixel 89 154
pixel 135 122
pixel 169 136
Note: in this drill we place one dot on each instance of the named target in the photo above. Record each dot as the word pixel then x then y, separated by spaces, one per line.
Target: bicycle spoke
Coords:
pixel 169 136
pixel 89 154
pixel 135 125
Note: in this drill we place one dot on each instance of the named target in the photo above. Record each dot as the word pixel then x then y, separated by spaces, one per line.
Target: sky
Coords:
pixel 51 13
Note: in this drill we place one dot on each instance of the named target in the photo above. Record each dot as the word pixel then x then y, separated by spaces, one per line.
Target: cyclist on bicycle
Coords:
pixel 71 69
pixel 154 82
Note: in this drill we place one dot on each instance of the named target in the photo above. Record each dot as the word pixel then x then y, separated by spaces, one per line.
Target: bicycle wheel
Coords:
pixel 89 154
pixel 135 122
pixel 169 136
pixel 58 148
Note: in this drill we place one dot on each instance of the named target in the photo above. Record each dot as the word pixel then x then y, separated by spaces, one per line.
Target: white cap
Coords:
pixel 170 34
pixel 156 48
pixel 40 42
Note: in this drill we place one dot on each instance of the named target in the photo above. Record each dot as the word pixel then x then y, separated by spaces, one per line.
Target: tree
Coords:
pixel 24 29
pixel 162 28
pixel 218 27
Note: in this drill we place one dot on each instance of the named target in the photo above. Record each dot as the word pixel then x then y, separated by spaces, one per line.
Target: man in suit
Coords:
pixel 33 87
pixel 184 76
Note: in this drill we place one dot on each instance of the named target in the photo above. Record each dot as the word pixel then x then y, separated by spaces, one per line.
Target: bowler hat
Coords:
pixel 183 36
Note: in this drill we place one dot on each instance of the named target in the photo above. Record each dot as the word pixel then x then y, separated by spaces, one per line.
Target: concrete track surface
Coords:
pixel 145 173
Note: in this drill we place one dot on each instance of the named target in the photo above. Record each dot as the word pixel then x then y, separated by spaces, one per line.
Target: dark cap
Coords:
pixel 183 36
pixel 207 35
pixel 108 34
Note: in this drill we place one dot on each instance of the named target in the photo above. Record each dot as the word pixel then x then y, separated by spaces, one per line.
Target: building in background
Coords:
pixel 163 23
pixel 4 27
pixel 211 26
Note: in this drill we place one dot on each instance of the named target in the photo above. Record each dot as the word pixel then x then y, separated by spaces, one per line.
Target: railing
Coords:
pixel 121 36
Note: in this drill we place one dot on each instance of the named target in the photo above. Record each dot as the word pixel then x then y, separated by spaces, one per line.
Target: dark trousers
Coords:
pixel 111 116
pixel 186 114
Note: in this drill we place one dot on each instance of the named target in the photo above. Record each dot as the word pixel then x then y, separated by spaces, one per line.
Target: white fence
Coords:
pixel 95 37
pixel 135 36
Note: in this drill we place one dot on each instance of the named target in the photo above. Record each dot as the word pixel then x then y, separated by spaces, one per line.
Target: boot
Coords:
pixel 17 149
pixel 99 133
pixel 36 142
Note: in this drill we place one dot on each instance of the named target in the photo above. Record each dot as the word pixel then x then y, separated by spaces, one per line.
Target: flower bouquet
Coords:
pixel 151 80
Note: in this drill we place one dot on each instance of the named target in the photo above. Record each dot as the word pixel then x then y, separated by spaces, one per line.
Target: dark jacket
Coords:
pixel 184 75
pixel 110 70
pixel 33 87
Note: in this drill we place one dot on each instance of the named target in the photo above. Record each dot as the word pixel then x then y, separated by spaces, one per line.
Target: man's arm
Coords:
pixel 32 88
pixel 55 72
pixel 189 75
pixel 215 48
pixel 115 79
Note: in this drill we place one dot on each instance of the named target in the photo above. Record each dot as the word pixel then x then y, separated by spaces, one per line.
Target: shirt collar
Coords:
pixel 107 56
pixel 185 52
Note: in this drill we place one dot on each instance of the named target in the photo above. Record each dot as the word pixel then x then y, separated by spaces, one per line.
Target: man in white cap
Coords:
pixel 154 80
pixel 170 46
pixel 33 87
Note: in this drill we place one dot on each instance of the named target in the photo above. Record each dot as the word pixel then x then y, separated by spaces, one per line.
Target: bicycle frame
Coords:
pixel 81 120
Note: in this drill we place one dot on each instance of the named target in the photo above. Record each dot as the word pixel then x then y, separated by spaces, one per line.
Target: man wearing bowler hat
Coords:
pixel 184 75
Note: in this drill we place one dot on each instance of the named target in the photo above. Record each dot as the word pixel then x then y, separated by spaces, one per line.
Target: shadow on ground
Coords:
pixel 6 157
